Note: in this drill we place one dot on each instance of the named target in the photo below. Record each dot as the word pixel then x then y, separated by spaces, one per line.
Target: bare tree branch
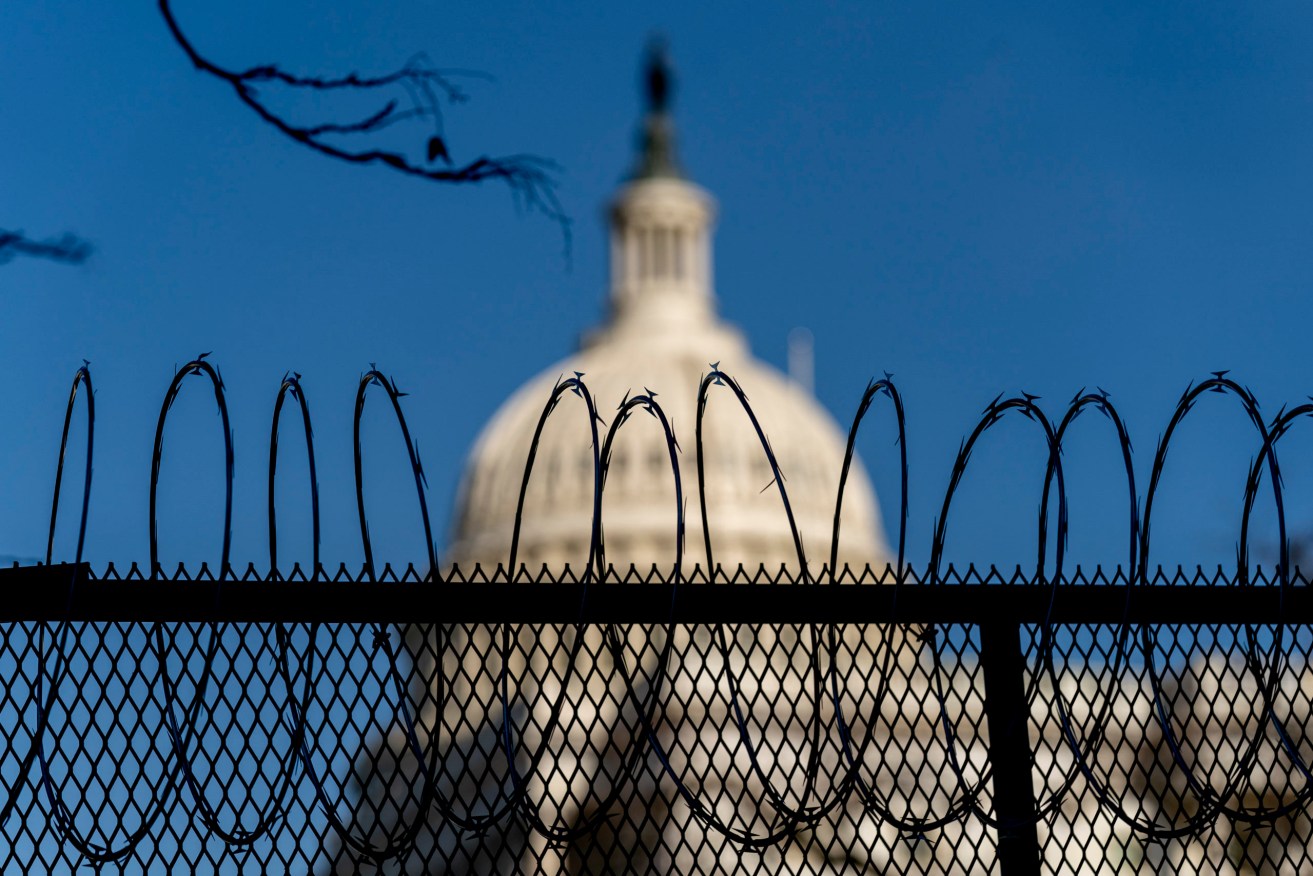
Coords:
pixel 68 248
pixel 529 177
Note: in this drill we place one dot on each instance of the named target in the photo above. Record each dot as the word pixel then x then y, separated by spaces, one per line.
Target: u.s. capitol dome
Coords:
pixel 661 335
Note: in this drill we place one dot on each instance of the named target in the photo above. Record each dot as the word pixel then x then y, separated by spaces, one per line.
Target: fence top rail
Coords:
pixel 75 593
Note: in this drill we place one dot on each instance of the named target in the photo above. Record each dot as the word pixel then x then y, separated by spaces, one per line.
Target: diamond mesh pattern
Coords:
pixel 796 748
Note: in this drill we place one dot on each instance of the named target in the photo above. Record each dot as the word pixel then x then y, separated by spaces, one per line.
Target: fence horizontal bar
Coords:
pixel 52 593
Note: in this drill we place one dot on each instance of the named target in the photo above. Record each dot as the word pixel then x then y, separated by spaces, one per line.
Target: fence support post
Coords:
pixel 1008 719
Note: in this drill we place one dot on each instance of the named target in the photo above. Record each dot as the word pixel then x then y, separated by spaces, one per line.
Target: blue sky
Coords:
pixel 975 197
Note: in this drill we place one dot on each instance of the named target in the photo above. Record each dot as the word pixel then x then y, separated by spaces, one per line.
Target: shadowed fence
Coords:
pixel 602 720
pixel 977 725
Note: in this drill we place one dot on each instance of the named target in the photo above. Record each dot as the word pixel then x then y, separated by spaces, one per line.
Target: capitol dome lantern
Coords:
pixel 660 229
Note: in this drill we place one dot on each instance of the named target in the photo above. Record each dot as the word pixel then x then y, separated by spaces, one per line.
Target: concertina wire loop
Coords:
pixel 1083 737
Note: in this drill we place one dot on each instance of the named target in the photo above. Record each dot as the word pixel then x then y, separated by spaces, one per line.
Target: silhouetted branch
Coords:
pixel 67 248
pixel 528 176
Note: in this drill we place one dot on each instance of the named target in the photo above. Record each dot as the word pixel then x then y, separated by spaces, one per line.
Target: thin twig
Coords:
pixel 68 248
pixel 530 177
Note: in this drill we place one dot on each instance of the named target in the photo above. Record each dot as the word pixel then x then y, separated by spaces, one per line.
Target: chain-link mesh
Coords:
pixel 1121 722
pixel 654 746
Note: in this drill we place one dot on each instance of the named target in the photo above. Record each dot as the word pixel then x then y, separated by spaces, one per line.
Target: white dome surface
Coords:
pixel 661 335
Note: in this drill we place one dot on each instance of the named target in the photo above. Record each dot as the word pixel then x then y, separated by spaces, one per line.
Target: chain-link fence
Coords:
pixel 802 722
pixel 402 725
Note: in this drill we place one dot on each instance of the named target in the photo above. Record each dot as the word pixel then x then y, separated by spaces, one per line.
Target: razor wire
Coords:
pixel 1265 658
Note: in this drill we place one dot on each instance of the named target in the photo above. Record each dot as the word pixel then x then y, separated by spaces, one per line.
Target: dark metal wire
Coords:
pixel 790 817
pixel 1211 802
pixel 181 732
pixel 993 414
pixel 62 816
pixel 791 803
pixel 1084 760
pixel 868 792
pixel 518 799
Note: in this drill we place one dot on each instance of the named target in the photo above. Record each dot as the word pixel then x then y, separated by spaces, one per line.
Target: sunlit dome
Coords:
pixel 661 335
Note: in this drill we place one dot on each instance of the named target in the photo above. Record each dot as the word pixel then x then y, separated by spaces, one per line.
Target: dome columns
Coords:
pixel 661 254
pixel 660 225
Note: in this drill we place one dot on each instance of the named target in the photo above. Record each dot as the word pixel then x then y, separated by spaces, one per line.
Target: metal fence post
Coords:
pixel 1009 747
